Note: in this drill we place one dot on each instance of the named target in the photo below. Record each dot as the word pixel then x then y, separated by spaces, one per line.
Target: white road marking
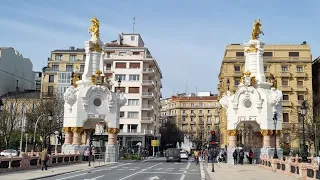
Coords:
pixel 119 169
pixel 140 171
pixel 157 172
pixel 95 178
pixel 185 172
pixel 72 176
pixel 158 169
pixel 132 169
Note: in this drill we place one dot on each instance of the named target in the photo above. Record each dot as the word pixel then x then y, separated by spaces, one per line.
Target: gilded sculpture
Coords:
pixel 113 130
pixel 252 48
pixel 94 29
pixel 95 47
pixel 232 132
pixel 75 78
pixel 273 80
pixel 97 79
pixel 256 30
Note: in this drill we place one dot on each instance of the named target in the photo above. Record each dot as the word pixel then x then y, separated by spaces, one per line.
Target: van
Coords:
pixel 173 154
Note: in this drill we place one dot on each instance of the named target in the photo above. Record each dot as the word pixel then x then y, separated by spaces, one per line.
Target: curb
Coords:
pixel 52 175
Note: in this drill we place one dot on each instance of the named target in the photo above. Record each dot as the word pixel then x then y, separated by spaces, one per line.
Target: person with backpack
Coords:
pixel 241 156
pixel 235 157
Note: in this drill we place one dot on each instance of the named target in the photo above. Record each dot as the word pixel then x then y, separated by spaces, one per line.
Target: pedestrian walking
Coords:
pixel 44 159
pixel 235 157
pixel 241 156
pixel 250 156
pixel 196 156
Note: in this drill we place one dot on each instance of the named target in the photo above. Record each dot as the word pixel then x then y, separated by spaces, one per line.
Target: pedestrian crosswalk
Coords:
pixel 169 169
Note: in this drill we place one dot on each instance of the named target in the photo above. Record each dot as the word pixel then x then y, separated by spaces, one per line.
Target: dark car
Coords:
pixel 173 154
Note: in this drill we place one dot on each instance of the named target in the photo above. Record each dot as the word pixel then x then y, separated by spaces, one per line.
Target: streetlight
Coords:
pixel 35 128
pixel 228 84
pixel 303 112
pixel 50 117
pixel 275 119
pixel 26 150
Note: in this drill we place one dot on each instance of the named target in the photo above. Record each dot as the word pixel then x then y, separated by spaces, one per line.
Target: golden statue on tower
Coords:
pixel 94 29
pixel 256 30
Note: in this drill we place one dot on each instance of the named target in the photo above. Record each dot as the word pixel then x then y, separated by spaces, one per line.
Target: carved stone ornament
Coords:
pixel 85 102
pixel 113 130
pixel 232 132
pixel 66 129
pixel 276 97
pixel 266 132
pixel 70 96
pixel 224 101
pixel 76 129
pixel 246 91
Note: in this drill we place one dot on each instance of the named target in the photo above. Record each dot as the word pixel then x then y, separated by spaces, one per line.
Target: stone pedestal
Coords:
pixel 112 146
pixel 266 138
pixel 232 145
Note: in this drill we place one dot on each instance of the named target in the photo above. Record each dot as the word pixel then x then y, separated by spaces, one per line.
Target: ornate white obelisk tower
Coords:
pixel 256 103
pixel 89 102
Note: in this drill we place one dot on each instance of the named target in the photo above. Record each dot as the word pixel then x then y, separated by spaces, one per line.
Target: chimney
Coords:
pixel 71 48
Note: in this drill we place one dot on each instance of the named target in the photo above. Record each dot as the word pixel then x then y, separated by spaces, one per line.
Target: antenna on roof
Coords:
pixel 134 23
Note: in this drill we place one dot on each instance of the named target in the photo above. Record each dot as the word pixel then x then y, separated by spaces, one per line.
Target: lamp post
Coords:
pixel 35 130
pixel 303 112
pixel 26 149
pixel 50 117
pixel 275 120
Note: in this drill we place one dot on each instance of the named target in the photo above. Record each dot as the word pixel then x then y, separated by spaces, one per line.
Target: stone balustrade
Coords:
pixel 292 166
pixel 8 164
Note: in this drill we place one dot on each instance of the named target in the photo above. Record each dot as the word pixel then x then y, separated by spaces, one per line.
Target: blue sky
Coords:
pixel 187 37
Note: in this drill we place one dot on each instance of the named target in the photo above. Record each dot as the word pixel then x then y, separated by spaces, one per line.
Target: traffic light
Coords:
pixel 213 138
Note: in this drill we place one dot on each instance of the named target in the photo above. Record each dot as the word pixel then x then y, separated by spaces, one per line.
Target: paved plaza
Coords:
pixel 244 172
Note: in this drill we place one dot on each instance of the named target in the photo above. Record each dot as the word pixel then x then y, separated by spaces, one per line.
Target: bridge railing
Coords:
pixel 292 166
pixel 8 164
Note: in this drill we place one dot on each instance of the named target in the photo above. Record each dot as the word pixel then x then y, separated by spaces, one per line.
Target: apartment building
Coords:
pixel 130 61
pixel 195 114
pixel 37 79
pixel 292 66
pixel 15 71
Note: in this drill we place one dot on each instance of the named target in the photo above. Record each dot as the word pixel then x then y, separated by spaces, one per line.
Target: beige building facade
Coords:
pixel 291 65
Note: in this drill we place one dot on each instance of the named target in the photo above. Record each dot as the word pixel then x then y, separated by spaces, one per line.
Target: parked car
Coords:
pixel 184 155
pixel 173 154
pixel 9 152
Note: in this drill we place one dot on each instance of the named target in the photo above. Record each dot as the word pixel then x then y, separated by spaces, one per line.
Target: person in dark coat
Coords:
pixel 241 156
pixel 235 157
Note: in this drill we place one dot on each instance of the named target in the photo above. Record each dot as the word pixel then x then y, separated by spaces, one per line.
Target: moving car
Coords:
pixel 184 155
pixel 173 154
pixel 9 152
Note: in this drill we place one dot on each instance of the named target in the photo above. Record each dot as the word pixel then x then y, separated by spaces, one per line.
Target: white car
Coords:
pixel 184 155
pixel 9 152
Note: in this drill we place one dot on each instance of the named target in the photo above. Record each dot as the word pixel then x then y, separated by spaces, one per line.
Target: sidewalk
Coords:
pixel 52 171
pixel 225 171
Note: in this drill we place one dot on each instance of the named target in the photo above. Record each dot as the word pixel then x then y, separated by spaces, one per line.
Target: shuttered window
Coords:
pixel 134 89
pixel 121 65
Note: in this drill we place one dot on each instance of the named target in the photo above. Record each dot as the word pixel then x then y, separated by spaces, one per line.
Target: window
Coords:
pixel 121 65
pixel 284 68
pixel 236 81
pixel 208 111
pixel 200 104
pixel 64 78
pixel 192 111
pixel 285 97
pixel 191 119
pixel 122 77
pixel 134 90
pixel 108 66
pixel 61 89
pixel 72 57
pixel 192 105
pixel 133 115
pixel 133 102
pixel 81 68
pixel 50 90
pixel 183 111
pixel 299 69
pixel 122 53
pixel 135 53
pixel 108 55
pixel 239 54
pixel 134 65
pixel 300 97
pixel 69 68
pixel 293 54
pixel 132 128
pixel 299 82
pixel 51 78
pixel 121 114
pixel 55 68
pixel 134 77
pixel 200 111
pixel 285 81
pixel 285 117
pixel 265 68
pixel 58 57
pixel 184 119
pixel 184 105
pixel 267 54
pixel 133 38
pixel 237 68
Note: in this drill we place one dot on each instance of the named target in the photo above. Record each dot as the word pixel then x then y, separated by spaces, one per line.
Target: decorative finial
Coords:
pixel 256 30
pixel 94 29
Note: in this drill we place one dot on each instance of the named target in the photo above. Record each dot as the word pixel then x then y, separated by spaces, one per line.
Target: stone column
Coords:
pixel 68 135
pixel 232 138
pixel 76 135
pixel 266 138
pixel 112 147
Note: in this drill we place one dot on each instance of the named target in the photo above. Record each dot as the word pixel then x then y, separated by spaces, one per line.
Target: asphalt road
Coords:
pixel 155 169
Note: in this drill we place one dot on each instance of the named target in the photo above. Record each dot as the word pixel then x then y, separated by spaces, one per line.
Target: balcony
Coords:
pixel 286 103
pixel 147 95
pixel 301 74
pixel 286 88
pixel 286 74
pixel 147 108
pixel 200 114
pixel 209 114
pixel 237 74
pixel 147 120
pixel 192 114
pixel 184 114
pixel 148 83
pixel 301 89
pixel 108 70
pixel 171 115
pixel 51 70
pixel 149 71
